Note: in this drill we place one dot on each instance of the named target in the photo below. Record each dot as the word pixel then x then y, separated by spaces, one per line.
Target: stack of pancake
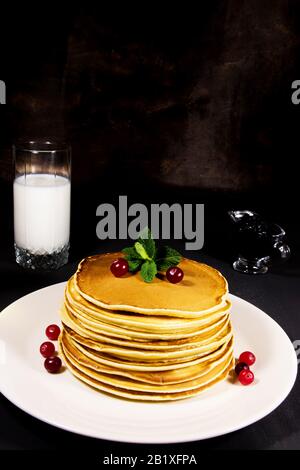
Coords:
pixel 146 341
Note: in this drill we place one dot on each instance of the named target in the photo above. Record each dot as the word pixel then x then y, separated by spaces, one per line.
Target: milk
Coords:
pixel 42 212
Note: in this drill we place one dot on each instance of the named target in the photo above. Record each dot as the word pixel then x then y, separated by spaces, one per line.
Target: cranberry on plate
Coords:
pixel 241 366
pixel 52 364
pixel 53 332
pixel 47 349
pixel 246 377
pixel 247 357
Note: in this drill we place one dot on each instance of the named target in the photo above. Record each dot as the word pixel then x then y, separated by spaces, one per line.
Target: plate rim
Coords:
pixel 227 429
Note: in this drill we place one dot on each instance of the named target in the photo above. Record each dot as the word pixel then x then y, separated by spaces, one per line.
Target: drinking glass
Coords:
pixel 258 243
pixel 42 197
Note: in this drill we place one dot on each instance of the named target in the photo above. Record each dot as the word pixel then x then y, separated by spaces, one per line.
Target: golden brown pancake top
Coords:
pixel 202 289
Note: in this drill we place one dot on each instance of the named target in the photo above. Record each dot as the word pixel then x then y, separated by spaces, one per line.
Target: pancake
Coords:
pixel 146 341
pixel 142 396
pixel 117 380
pixel 150 352
pixel 95 332
pixel 91 322
pixel 139 322
pixel 158 377
pixel 130 365
pixel 203 289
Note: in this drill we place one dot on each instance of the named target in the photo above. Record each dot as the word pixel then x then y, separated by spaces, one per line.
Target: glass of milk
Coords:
pixel 42 197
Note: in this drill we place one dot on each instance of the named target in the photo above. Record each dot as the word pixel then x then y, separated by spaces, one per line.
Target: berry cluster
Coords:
pixel 120 267
pixel 242 369
pixel 47 349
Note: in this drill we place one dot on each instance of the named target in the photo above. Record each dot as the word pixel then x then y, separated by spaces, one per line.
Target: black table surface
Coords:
pixel 277 293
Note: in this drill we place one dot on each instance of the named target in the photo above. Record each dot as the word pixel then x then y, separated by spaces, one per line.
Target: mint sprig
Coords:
pixel 167 257
pixel 148 243
pixel 146 258
pixel 148 270
pixel 141 251
pixel 134 265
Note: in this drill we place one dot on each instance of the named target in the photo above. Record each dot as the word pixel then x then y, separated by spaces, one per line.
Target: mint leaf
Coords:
pixel 134 265
pixel 131 253
pixel 166 258
pixel 145 257
pixel 148 243
pixel 148 270
pixel 140 249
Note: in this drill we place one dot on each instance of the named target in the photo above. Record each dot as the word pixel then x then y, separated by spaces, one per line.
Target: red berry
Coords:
pixel 119 267
pixel 246 377
pixel 241 366
pixel 47 349
pixel 52 364
pixel 53 332
pixel 174 275
pixel 247 357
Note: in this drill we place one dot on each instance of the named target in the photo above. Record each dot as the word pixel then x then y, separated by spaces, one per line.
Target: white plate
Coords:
pixel 63 401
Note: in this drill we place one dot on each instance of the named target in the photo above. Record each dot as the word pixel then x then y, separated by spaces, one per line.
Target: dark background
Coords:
pixel 192 104
pixel 195 98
